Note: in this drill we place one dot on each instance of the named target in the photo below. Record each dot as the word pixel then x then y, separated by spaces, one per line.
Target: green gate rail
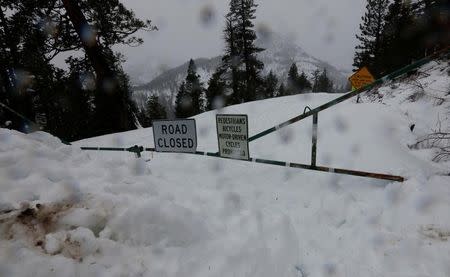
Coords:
pixel 338 100
pixel 139 149
pixel 134 149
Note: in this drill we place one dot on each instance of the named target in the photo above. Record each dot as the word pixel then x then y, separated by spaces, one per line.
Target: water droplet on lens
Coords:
pixel 207 15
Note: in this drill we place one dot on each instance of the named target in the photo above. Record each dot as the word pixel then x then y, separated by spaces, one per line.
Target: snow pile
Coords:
pixel 64 212
pixel 424 100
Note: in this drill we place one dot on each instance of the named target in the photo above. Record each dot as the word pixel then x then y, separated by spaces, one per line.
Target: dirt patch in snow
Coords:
pixel 434 232
pixel 32 223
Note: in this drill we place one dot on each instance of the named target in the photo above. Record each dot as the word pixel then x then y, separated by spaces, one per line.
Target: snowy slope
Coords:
pixel 110 214
pixel 423 98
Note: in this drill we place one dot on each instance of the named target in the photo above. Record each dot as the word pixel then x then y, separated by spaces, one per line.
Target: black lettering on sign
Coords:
pixel 233 129
pixel 177 130
pixel 233 144
pixel 232 136
pixel 175 135
pixel 239 137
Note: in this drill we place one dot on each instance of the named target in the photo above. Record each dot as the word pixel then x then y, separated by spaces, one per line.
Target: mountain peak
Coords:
pixel 279 54
pixel 275 43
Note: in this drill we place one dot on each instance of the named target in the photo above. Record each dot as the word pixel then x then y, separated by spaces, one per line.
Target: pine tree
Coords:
pixel 183 102
pixel 431 28
pixel 400 49
pixel 327 82
pixel 304 83
pixel 231 61
pixel 414 29
pixel 369 51
pixel 316 77
pixel 154 109
pixel 297 83
pixel 15 29
pixel 215 93
pixel 194 88
pixel 37 31
pixel 282 91
pixel 293 80
pixel 323 83
pixel 240 62
pixel 114 110
pixel 270 86
pixel 253 66
pixel 75 107
pixel 190 98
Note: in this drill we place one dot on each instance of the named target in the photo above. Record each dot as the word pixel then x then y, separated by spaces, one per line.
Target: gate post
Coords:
pixel 314 139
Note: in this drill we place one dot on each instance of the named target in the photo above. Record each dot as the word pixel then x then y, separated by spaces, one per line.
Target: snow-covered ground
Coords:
pixel 65 212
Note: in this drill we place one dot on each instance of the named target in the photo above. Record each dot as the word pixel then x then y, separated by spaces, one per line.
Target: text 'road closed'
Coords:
pixel 175 135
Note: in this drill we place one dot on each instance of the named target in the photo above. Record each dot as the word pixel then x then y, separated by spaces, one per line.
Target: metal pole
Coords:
pixel 33 125
pixel 136 149
pixel 314 139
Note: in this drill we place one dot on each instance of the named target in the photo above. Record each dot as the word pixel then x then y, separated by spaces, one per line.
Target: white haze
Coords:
pixel 323 28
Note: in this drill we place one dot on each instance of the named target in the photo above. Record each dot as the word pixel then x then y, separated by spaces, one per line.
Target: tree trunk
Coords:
pixel 93 50
pixel 111 112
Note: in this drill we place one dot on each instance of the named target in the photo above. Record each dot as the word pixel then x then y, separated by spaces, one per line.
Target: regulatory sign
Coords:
pixel 175 135
pixel 361 78
pixel 232 134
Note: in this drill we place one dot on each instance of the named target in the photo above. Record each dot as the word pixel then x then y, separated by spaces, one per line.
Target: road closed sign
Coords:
pixel 232 134
pixel 179 136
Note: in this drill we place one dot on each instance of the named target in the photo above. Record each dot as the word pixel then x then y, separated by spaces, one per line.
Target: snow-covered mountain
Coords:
pixel 280 52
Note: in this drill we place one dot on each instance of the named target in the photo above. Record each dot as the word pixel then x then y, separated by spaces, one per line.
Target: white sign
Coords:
pixel 175 135
pixel 232 133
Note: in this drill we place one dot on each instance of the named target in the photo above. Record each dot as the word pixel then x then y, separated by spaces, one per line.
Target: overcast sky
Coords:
pixel 323 28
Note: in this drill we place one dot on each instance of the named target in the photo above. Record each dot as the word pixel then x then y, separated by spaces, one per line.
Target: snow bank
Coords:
pixel 64 212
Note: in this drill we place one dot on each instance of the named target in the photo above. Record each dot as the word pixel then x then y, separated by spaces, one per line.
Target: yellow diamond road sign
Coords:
pixel 361 78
